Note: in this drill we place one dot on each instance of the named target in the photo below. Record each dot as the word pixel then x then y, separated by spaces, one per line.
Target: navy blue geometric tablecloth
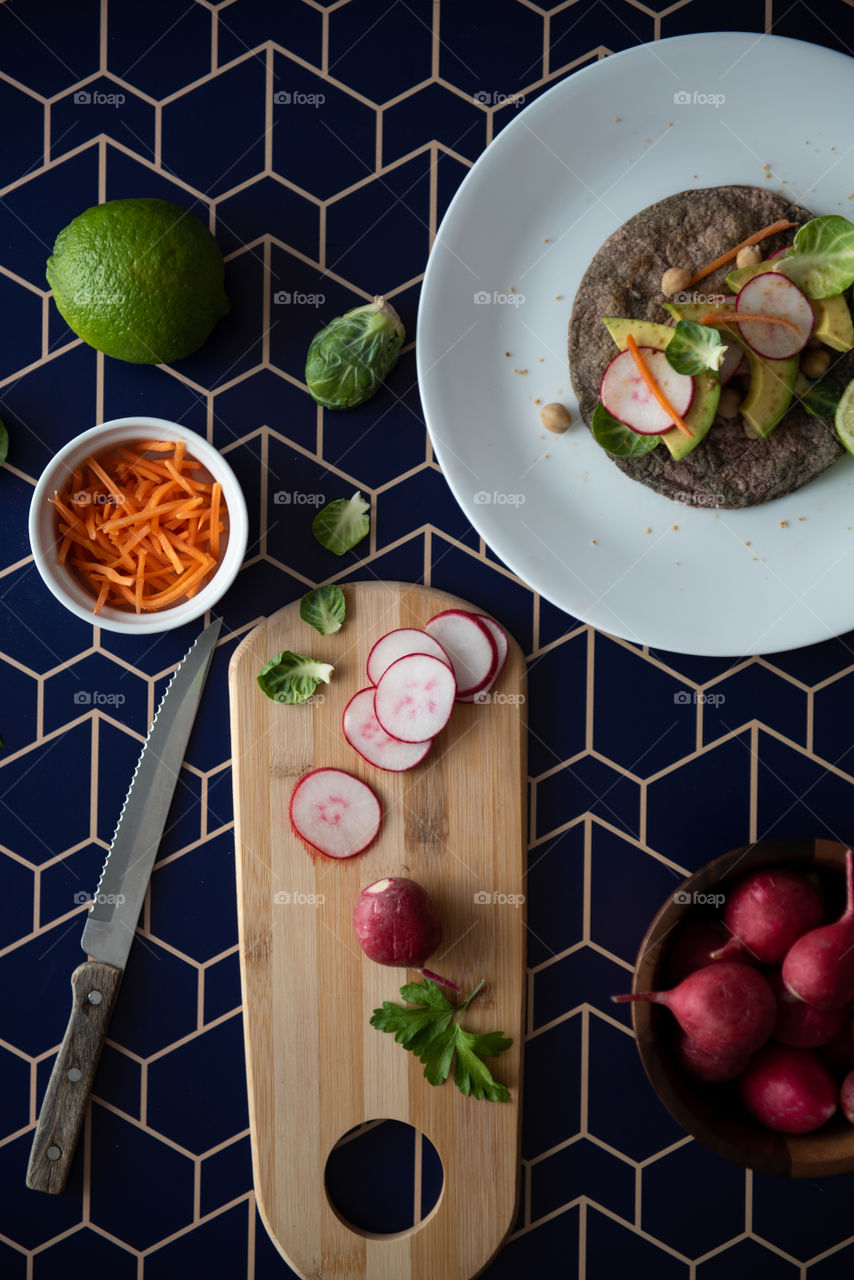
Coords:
pixel 325 142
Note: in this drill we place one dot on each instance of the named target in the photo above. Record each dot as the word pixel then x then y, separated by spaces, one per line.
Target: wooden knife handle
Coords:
pixel 94 987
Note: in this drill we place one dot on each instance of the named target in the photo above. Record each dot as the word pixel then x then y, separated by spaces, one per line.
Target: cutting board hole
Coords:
pixel 384 1178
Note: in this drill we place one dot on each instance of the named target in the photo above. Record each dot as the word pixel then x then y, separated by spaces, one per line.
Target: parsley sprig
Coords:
pixel 432 1031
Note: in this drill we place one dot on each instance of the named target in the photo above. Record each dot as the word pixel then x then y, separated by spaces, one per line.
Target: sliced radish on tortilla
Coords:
pixel 366 735
pixel 627 398
pixel 733 359
pixel 469 645
pixel 414 698
pixel 499 635
pixel 770 294
pixel 399 644
pixel 335 813
pixel 779 253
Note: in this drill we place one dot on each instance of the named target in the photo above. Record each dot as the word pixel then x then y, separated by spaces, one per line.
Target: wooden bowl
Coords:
pixel 714 1113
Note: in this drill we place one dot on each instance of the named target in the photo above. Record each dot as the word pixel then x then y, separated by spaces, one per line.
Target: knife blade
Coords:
pixel 113 915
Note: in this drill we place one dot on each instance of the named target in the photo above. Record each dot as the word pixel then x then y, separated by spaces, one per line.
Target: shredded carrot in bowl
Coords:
pixel 139 528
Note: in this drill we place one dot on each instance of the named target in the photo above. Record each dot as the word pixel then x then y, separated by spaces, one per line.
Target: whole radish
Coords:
pixel 693 947
pixel 396 923
pixel 846 1097
pixel 802 1025
pixel 790 1090
pixel 711 1067
pixel 819 968
pixel 728 1009
pixel 766 912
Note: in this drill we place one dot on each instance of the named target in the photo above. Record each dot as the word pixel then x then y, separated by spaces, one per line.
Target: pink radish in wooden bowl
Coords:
pixel 766 912
pixel 713 1068
pixel 790 1090
pixel 846 1097
pixel 801 1025
pixel 335 813
pixel 366 735
pixel 399 644
pixel 396 923
pixel 727 1009
pixel 711 1111
pixel 819 968
pixel 469 644
pixel 414 698
pixel 627 398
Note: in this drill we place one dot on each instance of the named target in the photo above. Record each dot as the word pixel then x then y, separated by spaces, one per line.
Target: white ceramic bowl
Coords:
pixel 64 583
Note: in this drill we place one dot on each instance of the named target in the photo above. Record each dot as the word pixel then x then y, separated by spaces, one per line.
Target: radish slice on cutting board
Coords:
pixel 414 698
pixel 779 253
pixel 366 735
pixel 627 398
pixel 469 645
pixel 499 635
pixel 335 813
pixel 771 294
pixel 399 644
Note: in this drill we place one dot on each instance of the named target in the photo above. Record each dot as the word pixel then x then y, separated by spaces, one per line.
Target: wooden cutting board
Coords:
pixel 316 1068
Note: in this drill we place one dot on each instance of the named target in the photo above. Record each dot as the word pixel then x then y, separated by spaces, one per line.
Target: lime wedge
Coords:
pixel 845 417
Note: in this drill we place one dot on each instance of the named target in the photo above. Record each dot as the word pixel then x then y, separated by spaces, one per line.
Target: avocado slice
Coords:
pixel 771 381
pixel 833 324
pixel 707 385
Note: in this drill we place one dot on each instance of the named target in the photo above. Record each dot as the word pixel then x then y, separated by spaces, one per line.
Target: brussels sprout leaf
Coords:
pixel 618 439
pixel 694 347
pixel 821 259
pixel 341 524
pixel 292 677
pixel 324 609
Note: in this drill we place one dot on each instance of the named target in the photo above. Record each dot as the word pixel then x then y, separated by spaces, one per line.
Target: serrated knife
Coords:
pixel 109 929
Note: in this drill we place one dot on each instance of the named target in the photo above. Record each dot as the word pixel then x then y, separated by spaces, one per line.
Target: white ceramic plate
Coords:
pixel 531 214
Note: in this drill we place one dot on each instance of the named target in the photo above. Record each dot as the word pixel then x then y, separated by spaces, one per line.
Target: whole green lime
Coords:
pixel 142 280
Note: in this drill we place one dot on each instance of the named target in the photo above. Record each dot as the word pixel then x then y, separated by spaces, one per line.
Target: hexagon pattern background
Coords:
pixel 322 141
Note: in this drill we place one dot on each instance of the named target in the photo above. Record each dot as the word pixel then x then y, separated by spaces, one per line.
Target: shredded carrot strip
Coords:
pixel 653 387
pixel 143 532
pixel 782 225
pixel 745 317
pixel 140 581
pixel 214 518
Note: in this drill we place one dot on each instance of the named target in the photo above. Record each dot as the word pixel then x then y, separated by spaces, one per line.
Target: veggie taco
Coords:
pixel 710 341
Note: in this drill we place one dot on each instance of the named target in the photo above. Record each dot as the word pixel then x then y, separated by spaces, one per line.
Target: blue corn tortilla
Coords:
pixel 727 469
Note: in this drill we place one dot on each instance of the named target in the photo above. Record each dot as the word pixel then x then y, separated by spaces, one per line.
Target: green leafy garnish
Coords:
pixel 820 397
pixel 323 608
pixel 341 524
pixel 349 360
pixel 618 439
pixel 431 1030
pixel 694 347
pixel 291 677
pixel 821 259
pixel 4 443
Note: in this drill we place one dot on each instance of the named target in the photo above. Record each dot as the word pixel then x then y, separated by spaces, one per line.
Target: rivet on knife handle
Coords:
pixel 94 987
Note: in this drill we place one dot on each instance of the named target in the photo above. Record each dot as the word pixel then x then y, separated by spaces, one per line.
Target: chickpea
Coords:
pixel 815 363
pixel 555 417
pixel 750 256
pixel 674 280
pixel 729 403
